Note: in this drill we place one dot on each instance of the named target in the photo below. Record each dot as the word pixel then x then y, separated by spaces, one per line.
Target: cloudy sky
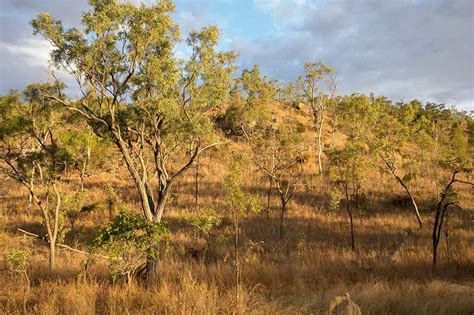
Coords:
pixel 403 49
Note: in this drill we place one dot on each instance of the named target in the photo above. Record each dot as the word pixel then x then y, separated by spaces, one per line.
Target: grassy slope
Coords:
pixel 299 275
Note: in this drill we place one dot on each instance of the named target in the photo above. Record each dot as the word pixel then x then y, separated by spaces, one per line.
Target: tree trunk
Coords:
pixel 282 217
pixel 320 151
pixel 436 234
pixel 412 198
pixel 440 213
pixel 32 184
pixel 446 235
pixel 349 212
pixel 435 255
pixel 269 196
pixel 441 210
pixel 333 131
pixel 160 207
pixel 65 168
pixel 129 279
pixel 320 144
pixel 52 255
pixel 152 262
pixel 53 237
pixel 137 179
pixel 83 172
pixel 196 185
pixel 151 268
pixel 237 258
pixel 353 246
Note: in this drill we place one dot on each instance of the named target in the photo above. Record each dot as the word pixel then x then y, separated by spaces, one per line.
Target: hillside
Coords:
pixel 168 181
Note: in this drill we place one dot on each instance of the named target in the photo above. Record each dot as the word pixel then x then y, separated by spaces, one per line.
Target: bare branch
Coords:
pixel 63 245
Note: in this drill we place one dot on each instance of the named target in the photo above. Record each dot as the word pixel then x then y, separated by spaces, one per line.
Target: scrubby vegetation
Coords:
pixel 182 186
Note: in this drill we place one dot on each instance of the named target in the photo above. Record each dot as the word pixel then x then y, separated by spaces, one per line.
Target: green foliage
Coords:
pixel 128 239
pixel 459 142
pixel 74 201
pixel 278 150
pixel 315 71
pixel 213 69
pixel 253 87
pixel 116 47
pixel 237 201
pixel 28 125
pixel 348 168
pixel 349 159
pixel 74 206
pixel 361 114
pixel 249 110
pixel 246 119
pixel 205 221
pixel 80 145
pixel 336 196
pixel 289 93
pixel 253 250
pixel 318 87
pixel 112 200
pixel 11 121
pixel 130 231
pixel 154 107
pixel 17 260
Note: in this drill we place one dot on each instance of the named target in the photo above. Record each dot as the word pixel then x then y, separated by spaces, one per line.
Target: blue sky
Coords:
pixel 403 49
pixel 236 18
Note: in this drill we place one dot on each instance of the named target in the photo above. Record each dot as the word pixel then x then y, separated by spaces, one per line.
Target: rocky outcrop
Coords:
pixel 343 305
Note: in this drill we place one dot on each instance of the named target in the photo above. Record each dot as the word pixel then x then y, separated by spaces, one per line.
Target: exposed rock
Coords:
pixel 343 305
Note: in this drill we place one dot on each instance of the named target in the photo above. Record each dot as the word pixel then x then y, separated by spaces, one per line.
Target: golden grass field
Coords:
pixel 299 275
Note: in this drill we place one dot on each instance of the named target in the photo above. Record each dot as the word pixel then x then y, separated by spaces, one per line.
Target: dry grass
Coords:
pixel 299 275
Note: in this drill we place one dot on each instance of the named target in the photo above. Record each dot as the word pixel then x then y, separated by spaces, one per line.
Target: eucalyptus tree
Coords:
pixel 319 88
pixel 154 107
pixel 277 152
pixel 289 93
pixel 31 155
pixel 348 165
pixel 448 198
pixel 84 148
pixel 393 144
pixel 454 155
pixel 250 108
pixel 406 141
pixel 239 204
pixel 128 239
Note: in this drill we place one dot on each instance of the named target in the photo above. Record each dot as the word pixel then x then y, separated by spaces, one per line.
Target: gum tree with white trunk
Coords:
pixel 154 107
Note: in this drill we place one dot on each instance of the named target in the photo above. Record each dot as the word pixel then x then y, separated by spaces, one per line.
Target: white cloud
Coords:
pixel 402 49
pixel 30 51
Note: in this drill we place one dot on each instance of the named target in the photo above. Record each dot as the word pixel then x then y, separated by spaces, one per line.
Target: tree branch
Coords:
pixel 62 245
